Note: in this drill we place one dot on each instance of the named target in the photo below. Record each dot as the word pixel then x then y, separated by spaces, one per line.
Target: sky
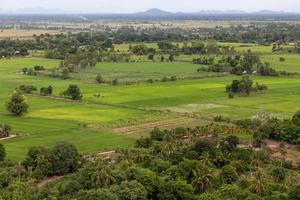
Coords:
pixel 128 6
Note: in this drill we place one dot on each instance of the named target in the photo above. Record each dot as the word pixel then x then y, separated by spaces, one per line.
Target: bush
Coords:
pixel 5 130
pixel 99 194
pixel 39 68
pixel 279 173
pixel 46 91
pixel 202 146
pixel 294 194
pixel 99 79
pixel 296 118
pixel 115 82
pixel 281 59
pixel 229 174
pixel 27 88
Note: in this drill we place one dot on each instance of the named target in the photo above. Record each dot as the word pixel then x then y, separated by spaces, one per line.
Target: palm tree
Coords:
pixel 205 159
pixel 258 184
pixel 102 176
pixel 202 179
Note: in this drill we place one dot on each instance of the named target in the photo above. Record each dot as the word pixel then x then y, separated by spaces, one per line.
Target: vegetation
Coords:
pixel 17 104
pixel 95 89
pixel 73 92
pixel 244 86
pixel 177 164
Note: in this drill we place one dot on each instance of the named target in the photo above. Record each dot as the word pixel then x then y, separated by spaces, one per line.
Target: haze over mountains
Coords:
pixel 150 12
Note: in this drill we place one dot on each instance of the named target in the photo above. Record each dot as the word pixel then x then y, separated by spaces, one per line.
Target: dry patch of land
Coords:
pixel 143 129
pixel 21 33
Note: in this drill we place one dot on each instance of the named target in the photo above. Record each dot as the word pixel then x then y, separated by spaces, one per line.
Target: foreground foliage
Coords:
pixel 193 163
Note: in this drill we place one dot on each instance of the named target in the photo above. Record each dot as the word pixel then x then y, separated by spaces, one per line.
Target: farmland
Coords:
pixel 150 105
pixel 88 123
pixel 142 88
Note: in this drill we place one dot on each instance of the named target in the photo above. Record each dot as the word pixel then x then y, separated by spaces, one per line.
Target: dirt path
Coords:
pixel 8 138
pixel 274 146
pixel 49 181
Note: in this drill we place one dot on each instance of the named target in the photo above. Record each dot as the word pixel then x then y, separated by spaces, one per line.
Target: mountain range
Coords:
pixel 151 12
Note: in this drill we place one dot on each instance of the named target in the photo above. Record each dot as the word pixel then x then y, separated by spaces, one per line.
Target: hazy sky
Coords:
pixel 126 6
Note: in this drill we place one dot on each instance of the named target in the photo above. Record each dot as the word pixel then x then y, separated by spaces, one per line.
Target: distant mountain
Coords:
pixel 151 13
pixel 212 12
pixel 154 12
pixel 270 12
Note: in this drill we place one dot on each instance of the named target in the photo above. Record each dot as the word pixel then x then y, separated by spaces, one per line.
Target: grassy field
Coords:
pixel 89 124
pixel 291 63
pixel 51 120
pixel 207 96
pixel 140 71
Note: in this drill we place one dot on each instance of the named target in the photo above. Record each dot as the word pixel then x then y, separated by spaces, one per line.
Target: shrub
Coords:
pixel 46 91
pixel 5 130
pixel 281 59
pixel 294 193
pixel 229 174
pixel 99 79
pixel 27 88
pixel 115 82
pixel 39 68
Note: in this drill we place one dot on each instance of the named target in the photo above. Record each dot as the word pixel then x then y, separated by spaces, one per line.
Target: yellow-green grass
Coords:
pixel 291 63
pixel 140 71
pixel 207 96
pixel 239 47
pixel 45 132
pixel 52 120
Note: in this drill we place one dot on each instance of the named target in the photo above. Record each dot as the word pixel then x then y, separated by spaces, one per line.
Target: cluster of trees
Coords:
pixel 178 164
pixel 244 87
pixel 60 45
pixel 10 48
pixel 17 103
pixel 249 63
pixel 29 89
pixel 287 130
pixel 33 71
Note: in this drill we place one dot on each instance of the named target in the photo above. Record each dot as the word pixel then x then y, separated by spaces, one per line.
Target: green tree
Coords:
pixel 202 179
pixel 17 104
pixel 99 194
pixel 73 92
pixel 130 190
pixel 65 158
